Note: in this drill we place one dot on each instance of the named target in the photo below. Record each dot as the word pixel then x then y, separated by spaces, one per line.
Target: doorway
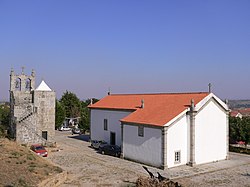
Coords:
pixel 112 138
pixel 45 135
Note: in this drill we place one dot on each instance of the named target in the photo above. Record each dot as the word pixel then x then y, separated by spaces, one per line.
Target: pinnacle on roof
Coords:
pixel 43 87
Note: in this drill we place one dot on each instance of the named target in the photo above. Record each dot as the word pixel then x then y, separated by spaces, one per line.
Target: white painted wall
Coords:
pixel 178 140
pixel 210 134
pixel 145 149
pixel 114 125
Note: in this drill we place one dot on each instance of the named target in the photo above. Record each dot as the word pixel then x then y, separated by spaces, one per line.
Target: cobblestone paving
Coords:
pixel 86 167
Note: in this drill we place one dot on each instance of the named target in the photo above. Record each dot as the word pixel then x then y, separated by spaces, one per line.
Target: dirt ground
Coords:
pixel 21 167
pixel 86 167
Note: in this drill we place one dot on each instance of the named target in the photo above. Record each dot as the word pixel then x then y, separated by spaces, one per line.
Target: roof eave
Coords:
pixel 176 118
pixel 120 109
pixel 207 98
pixel 141 123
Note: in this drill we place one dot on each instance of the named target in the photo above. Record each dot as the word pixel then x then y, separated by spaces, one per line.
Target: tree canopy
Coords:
pixel 71 104
pixel 239 129
pixel 60 114
pixel 4 118
pixel 85 115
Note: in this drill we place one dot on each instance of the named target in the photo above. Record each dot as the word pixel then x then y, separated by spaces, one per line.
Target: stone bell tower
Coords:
pixel 32 110
pixel 22 83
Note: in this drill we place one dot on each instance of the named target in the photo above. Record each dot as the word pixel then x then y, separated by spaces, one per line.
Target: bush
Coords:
pixel 31 157
pixel 58 169
pixel 239 150
pixel 2 132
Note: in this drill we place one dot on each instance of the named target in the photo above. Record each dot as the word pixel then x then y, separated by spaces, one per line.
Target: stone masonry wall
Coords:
pixel 45 103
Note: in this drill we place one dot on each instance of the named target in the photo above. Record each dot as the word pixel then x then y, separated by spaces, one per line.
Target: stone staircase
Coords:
pixel 32 131
pixel 26 122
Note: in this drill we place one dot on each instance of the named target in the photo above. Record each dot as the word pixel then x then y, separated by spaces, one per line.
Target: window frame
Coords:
pixel 18 84
pixel 141 131
pixel 177 157
pixel 28 84
pixel 45 135
pixel 105 124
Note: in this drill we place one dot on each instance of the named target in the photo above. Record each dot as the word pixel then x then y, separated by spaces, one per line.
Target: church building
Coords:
pixel 163 130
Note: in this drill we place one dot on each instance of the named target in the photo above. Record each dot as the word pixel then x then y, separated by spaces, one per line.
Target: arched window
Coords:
pixel 18 84
pixel 28 85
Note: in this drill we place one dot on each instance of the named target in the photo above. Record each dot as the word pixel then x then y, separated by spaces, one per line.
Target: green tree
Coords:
pixel 245 130
pixel 60 114
pixel 71 104
pixel 234 129
pixel 239 129
pixel 4 118
pixel 85 114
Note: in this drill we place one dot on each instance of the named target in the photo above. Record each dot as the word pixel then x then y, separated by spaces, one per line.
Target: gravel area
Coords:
pixel 86 167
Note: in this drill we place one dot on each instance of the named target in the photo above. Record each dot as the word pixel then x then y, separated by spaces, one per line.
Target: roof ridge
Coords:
pixel 170 93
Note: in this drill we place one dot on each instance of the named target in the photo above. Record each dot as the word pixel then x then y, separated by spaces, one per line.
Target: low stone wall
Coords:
pixel 55 180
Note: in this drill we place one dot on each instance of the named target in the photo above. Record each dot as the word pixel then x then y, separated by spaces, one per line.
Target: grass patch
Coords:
pixel 31 169
pixel 58 169
pixel 22 182
pixel 46 173
pixel 15 154
pixel 20 162
pixel 31 157
pixel 32 164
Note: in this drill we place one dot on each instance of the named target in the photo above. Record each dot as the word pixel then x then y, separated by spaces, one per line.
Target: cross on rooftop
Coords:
pixel 23 69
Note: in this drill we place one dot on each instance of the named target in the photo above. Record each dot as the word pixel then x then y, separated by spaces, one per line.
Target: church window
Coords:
pixel 177 156
pixel 18 84
pixel 105 124
pixel 140 131
pixel 28 85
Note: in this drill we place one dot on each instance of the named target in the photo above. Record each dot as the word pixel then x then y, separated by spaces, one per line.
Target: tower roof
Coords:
pixel 43 87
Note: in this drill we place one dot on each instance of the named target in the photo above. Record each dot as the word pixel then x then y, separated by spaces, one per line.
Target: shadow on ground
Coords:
pixel 82 137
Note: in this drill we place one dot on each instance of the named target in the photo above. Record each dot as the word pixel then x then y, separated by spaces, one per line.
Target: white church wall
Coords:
pixel 210 134
pixel 177 141
pixel 114 125
pixel 146 149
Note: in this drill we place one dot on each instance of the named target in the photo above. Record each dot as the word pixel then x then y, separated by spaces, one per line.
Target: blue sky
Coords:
pixel 132 46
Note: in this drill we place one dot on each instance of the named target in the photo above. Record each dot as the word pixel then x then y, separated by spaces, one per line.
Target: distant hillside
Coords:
pixel 4 102
pixel 233 104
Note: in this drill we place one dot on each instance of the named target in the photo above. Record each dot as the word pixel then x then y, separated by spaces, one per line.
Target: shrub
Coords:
pixel 58 169
pixel 31 157
pixel 239 150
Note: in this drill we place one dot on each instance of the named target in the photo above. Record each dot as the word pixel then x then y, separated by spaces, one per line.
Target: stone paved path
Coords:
pixel 86 167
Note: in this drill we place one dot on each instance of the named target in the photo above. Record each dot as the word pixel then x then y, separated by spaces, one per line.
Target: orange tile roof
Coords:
pixel 158 108
pixel 234 113
pixel 243 112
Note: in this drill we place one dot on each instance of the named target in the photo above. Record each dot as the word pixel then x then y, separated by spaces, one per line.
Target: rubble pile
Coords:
pixel 154 182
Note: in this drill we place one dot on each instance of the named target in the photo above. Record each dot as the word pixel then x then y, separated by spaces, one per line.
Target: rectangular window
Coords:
pixel 140 131
pixel 177 156
pixel 105 124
